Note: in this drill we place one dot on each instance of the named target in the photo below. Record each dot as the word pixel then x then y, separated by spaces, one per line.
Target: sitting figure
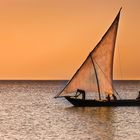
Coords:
pixel 108 98
pixel 80 92
pixel 114 97
pixel 138 98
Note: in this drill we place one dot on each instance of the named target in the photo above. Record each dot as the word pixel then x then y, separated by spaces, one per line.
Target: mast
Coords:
pixel 96 78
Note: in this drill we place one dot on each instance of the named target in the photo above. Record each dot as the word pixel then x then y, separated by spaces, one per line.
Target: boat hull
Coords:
pixel 97 103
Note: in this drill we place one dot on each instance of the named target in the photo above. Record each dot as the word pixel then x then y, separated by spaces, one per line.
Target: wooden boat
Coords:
pixel 99 103
pixel 95 76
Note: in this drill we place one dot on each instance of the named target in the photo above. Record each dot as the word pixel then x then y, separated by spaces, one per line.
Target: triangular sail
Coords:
pixel 97 70
pixel 84 79
pixel 103 55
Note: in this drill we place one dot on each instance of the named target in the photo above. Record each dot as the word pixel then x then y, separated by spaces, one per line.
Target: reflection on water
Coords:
pixel 29 111
pixel 108 123
pixel 98 121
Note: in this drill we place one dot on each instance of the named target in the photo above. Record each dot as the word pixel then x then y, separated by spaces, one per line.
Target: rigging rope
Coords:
pixel 107 78
pixel 119 57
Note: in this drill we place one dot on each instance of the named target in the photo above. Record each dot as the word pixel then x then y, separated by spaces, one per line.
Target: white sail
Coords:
pixel 103 56
pixel 84 79
pixel 96 73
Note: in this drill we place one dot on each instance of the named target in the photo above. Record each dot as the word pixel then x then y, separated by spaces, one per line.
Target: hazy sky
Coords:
pixel 49 39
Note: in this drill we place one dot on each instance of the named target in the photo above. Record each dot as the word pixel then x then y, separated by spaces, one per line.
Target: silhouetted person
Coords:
pixel 114 97
pixel 80 92
pixel 138 98
pixel 108 97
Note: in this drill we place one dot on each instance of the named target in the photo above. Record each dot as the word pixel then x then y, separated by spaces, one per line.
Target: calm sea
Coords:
pixel 28 111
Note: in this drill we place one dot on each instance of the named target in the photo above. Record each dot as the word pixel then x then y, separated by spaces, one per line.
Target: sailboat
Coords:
pixel 95 76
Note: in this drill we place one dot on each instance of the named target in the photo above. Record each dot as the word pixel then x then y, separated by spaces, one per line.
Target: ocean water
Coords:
pixel 28 111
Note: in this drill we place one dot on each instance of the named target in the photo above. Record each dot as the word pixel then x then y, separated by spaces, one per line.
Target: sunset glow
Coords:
pixel 49 39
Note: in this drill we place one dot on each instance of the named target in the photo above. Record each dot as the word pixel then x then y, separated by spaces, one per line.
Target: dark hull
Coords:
pixel 96 103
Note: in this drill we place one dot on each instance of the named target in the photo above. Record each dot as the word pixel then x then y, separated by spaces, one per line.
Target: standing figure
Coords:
pixel 138 98
pixel 80 92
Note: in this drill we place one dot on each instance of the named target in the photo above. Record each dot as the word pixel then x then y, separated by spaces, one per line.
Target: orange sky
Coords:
pixel 49 39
